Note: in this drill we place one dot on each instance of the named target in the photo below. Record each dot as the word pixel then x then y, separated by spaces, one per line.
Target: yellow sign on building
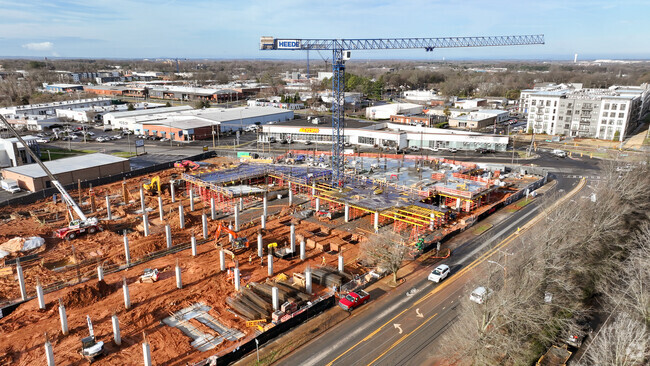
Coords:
pixel 309 130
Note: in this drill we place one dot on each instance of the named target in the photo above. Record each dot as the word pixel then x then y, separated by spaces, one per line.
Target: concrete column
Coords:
pixel 376 220
pixel 49 353
pixel 213 211
pixel 270 264
pixel 347 212
pixel 302 250
pixel 63 317
pixel 142 200
pixel 230 238
pixel 146 353
pixel 39 295
pixel 100 273
pixel 292 238
pixel 241 204
pixel 127 253
pixel 191 199
pixel 317 203
pixel 263 222
pixel 276 298
pixel 457 203
pixel 290 196
pixel 109 216
pixel 145 224
pixel 204 223
pixel 236 218
pixel 127 297
pixel 179 281
pixel 237 279
pixel 168 236
pixel 341 264
pixel 222 260
pixel 193 243
pixel 172 189
pixel 21 280
pixel 181 216
pixel 432 221
pixel 265 206
pixel 161 213
pixel 116 330
pixel 308 280
pixel 313 188
pixel 260 245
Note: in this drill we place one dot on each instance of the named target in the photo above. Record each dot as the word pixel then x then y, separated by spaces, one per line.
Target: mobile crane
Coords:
pixel 77 226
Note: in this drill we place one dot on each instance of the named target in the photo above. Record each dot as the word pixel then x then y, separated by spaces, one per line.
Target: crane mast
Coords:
pixel 64 194
pixel 341 52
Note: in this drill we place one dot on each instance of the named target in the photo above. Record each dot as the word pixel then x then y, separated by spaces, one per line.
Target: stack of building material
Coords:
pixel 247 307
pixel 327 277
pixel 293 292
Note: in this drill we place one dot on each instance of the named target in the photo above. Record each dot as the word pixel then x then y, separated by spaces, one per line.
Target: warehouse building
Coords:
pixel 387 110
pixel 68 170
pixel 13 153
pixel 43 109
pixel 381 135
pixel 63 88
pixel 117 120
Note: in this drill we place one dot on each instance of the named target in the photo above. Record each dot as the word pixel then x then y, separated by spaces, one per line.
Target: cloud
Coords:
pixel 42 46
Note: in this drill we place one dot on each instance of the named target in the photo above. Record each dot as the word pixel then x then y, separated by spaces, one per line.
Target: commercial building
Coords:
pixel 117 120
pixel 50 108
pixel 423 96
pixel 387 110
pixel 381 134
pixel 67 170
pixel 275 104
pixel 423 119
pixel 13 153
pixel 188 93
pixel 479 119
pixel 96 113
pixel 63 88
pixel 470 103
pixel 105 90
pixel 570 110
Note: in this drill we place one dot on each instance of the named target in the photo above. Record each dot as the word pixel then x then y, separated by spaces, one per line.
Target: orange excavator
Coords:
pixel 237 242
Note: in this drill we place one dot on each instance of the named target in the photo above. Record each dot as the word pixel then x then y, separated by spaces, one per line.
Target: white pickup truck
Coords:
pixel 10 185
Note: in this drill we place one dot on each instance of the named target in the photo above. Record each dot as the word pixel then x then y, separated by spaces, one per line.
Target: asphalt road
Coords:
pixel 398 329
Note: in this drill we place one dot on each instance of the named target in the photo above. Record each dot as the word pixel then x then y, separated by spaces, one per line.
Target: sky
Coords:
pixel 231 29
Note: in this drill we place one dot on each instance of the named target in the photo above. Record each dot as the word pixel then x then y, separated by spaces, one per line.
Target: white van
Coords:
pixel 559 153
pixel 10 185
pixel 480 294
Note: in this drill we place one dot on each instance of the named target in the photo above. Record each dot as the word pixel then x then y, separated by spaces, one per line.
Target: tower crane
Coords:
pixel 341 52
pixel 83 224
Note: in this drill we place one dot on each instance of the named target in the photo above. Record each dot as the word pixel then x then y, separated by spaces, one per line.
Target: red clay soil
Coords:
pixel 21 339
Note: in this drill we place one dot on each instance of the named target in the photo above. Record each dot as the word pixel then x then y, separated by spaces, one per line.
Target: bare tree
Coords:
pixel 386 250
pixel 624 342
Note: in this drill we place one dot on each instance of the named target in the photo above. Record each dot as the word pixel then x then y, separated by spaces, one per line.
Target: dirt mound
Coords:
pixel 88 294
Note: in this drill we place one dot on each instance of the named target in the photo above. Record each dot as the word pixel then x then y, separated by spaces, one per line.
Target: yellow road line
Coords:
pixel 471 266
pixel 403 338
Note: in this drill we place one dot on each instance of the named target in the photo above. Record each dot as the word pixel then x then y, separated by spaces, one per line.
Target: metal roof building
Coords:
pixel 67 170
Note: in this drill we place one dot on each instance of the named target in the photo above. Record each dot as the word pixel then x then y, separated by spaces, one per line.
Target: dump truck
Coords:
pixel 555 356
pixel 150 275
pixel 353 300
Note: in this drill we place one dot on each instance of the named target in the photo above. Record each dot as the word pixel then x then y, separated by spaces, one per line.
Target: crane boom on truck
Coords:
pixel 76 226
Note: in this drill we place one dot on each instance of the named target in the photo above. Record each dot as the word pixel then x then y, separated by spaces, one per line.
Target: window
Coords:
pixel 366 140
pixel 612 114
pixel 606 106
pixel 560 118
pixel 532 102
pixel 614 106
pixel 570 105
pixel 554 111
pixel 555 103
pixel 619 122
pixel 548 103
pixel 623 107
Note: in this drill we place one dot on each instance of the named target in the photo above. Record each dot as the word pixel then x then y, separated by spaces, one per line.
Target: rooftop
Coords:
pixel 232 114
pixel 151 111
pixel 66 165
pixel 326 122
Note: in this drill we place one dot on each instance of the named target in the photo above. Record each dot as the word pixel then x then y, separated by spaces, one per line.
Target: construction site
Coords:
pixel 194 262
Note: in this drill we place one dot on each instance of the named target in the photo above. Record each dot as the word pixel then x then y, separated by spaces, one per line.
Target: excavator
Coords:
pixel 187 165
pixel 237 242
pixel 76 227
pixel 153 187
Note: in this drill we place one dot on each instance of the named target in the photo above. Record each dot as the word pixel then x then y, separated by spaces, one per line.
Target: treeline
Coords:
pixel 587 261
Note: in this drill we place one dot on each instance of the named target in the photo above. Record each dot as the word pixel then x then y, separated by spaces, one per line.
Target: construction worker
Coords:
pixel 250 259
pixel 324 261
pixel 262 261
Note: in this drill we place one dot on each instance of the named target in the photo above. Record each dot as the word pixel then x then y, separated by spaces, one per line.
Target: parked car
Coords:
pixel 42 140
pixel 453 150
pixel 414 148
pixel 559 153
pixel 164 139
pixel 480 294
pixel 440 273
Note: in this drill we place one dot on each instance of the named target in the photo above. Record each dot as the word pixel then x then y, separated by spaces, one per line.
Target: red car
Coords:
pixel 353 299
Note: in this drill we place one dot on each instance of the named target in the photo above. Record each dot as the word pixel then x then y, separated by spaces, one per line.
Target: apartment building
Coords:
pixel 570 110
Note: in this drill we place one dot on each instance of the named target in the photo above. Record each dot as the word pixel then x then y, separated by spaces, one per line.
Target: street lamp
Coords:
pixel 504 270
